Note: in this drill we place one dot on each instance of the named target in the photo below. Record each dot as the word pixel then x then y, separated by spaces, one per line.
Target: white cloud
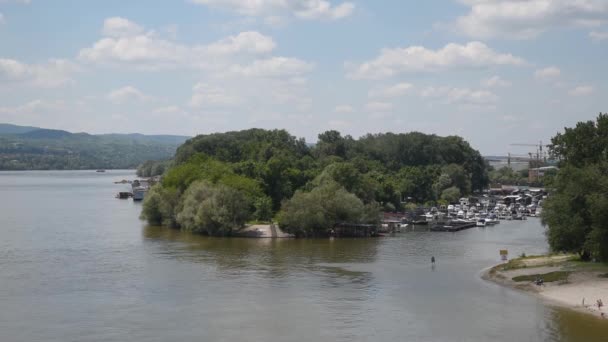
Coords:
pixel 344 109
pixel 495 82
pixel 37 112
pixel 460 95
pixel 248 42
pixel 127 94
pixel 206 95
pixel 526 19
pixel 396 90
pixel 598 35
pixel 548 73
pixel 120 27
pixel 51 74
pixel 274 67
pixel 420 59
pixel 305 9
pixel 126 43
pixel 379 106
pixel 582 90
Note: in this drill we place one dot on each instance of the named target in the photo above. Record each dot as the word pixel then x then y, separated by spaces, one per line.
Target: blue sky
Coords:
pixel 493 71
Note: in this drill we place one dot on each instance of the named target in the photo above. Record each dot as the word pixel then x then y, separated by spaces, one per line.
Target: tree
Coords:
pixel 566 212
pixel 314 213
pixel 348 176
pixel 459 177
pixel 263 209
pixel 451 195
pixel 213 209
pixel 352 178
pixel 159 207
pixel 506 175
pixel 576 212
pixel 587 143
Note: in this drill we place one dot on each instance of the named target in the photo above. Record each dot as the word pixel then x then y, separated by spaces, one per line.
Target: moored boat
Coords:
pixel 139 193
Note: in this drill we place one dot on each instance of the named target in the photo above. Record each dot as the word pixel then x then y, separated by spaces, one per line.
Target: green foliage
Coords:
pixel 451 195
pixel 349 177
pixel 43 149
pixel 546 277
pixel 314 213
pixel 506 175
pixel 151 168
pixel 338 180
pixel 160 206
pixel 417 182
pixel 458 176
pixel 411 207
pixel 212 209
pixel 263 209
pixel 576 213
pixel 585 144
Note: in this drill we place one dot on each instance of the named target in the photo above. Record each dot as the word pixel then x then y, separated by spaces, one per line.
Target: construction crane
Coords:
pixel 539 152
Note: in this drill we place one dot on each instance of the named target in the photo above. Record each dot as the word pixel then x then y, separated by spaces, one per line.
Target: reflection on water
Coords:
pixel 571 325
pixel 77 265
pixel 273 258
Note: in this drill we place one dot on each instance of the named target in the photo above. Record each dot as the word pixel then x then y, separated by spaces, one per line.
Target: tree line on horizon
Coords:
pixel 217 182
pixel 31 148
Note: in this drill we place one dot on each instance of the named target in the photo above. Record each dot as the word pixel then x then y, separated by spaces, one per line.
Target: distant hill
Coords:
pixel 14 129
pixel 32 148
pixel 167 139
pixel 45 134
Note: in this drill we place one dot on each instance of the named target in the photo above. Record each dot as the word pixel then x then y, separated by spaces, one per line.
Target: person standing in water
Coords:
pixel 433 260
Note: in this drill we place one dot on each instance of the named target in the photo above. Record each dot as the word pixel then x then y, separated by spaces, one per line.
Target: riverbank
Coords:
pixel 566 282
pixel 262 231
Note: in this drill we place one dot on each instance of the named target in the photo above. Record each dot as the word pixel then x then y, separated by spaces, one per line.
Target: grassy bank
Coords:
pixel 567 281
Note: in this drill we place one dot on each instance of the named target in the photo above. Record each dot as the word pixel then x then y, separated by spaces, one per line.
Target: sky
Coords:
pixel 496 72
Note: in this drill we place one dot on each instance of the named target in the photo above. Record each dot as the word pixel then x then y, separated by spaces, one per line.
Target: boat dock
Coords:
pixel 452 227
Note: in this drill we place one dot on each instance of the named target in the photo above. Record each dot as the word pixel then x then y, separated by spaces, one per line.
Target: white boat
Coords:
pixel 481 223
pixel 492 221
pixel 139 193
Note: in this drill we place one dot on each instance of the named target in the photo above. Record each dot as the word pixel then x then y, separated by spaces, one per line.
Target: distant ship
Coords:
pixel 101 170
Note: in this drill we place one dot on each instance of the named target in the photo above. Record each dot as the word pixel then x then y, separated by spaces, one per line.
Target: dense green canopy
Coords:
pixel 277 173
pixel 576 213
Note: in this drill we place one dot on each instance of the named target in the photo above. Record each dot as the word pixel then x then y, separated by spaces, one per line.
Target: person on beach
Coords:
pixel 433 260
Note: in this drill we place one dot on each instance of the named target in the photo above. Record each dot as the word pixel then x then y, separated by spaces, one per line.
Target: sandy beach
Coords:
pixel 579 290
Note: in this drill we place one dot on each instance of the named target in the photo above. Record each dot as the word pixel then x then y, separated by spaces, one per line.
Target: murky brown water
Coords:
pixel 76 264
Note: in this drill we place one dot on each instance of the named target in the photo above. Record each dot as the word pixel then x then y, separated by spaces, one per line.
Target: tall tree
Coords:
pixel 576 211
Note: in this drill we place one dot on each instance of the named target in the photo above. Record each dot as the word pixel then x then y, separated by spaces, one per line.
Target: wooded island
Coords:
pixel 217 182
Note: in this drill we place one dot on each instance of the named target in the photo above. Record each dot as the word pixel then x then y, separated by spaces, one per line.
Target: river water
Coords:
pixel 76 264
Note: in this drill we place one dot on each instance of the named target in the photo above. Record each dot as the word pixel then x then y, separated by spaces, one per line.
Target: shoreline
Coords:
pixel 568 293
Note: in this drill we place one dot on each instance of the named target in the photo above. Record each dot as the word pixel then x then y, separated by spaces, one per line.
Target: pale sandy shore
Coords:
pixel 580 291
pixel 263 231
